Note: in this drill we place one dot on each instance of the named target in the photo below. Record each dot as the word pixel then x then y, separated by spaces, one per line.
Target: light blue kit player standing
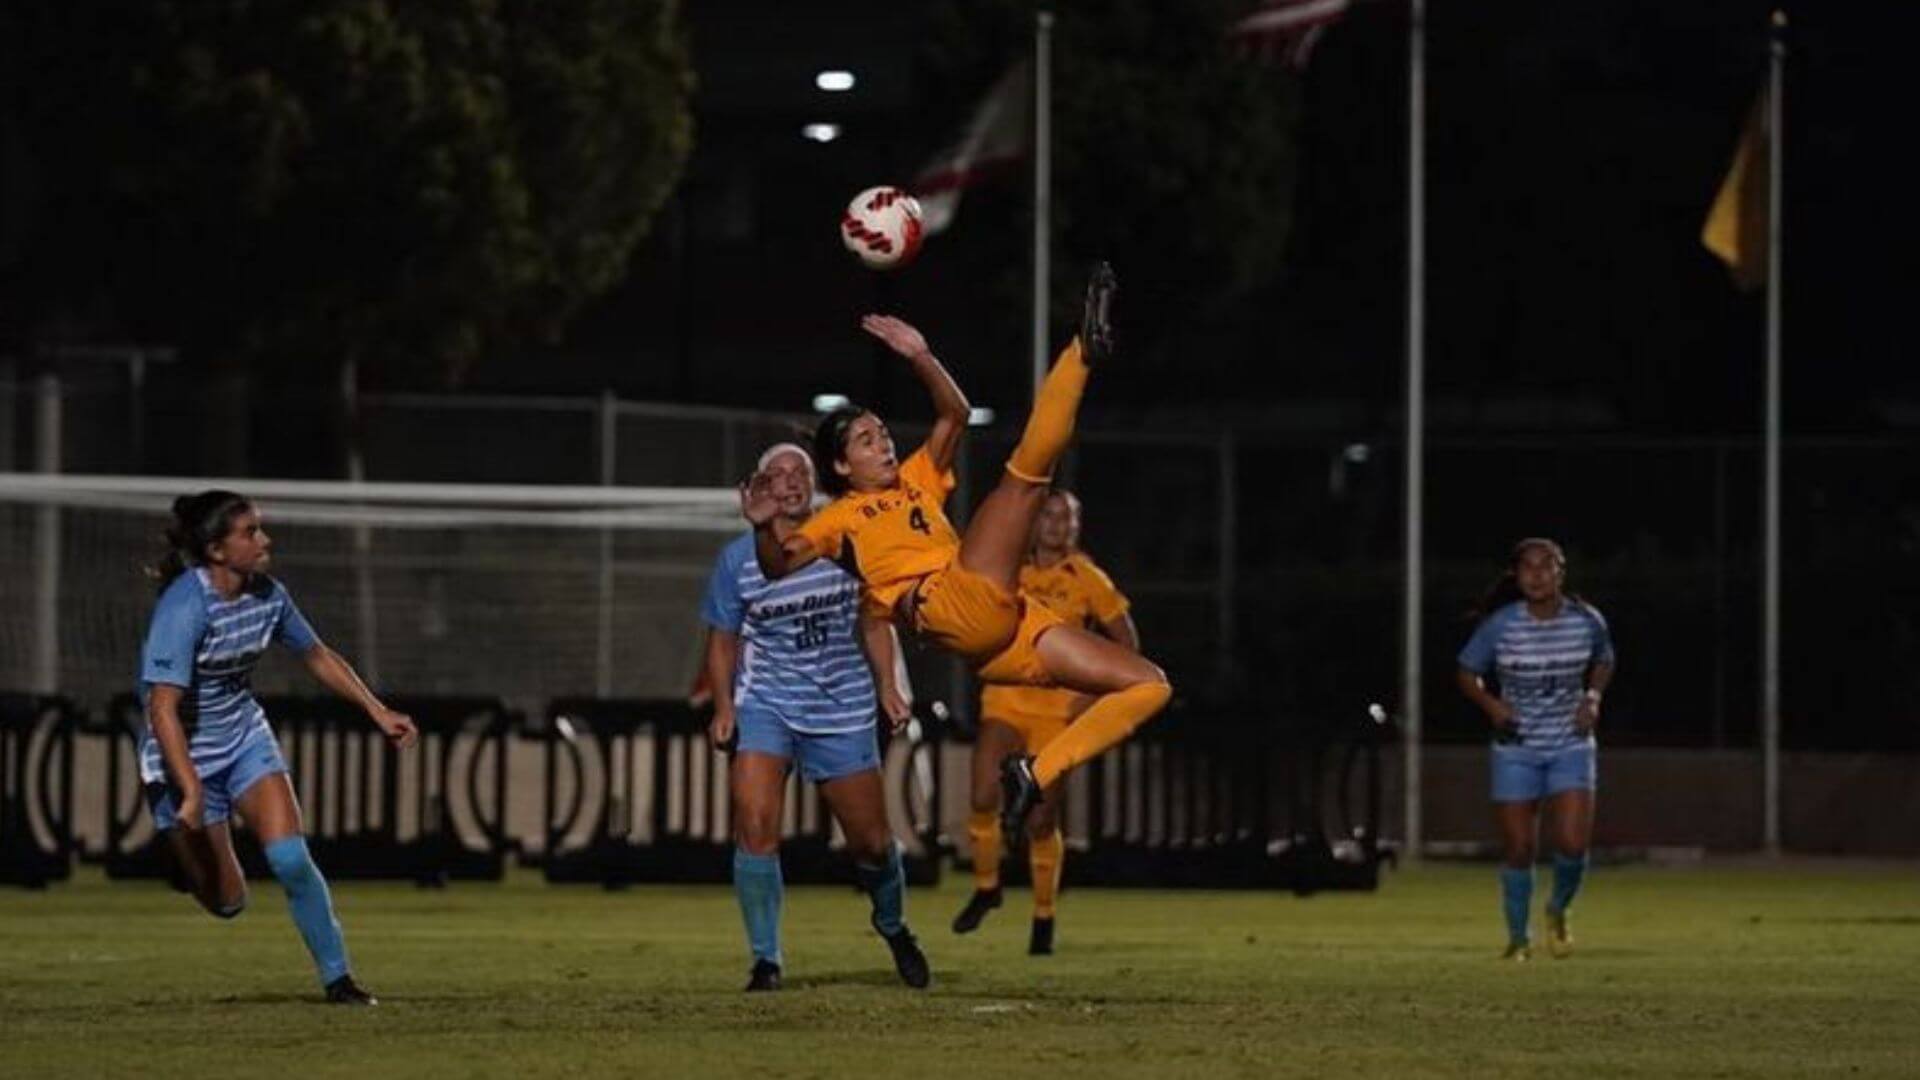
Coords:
pixel 788 662
pixel 206 750
pixel 1550 657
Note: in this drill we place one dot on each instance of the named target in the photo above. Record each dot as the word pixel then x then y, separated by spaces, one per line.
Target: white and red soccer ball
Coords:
pixel 882 227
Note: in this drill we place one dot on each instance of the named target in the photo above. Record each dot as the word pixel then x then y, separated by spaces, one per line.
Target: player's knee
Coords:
pixel 870 845
pixel 1157 689
pixel 1520 856
pixel 756 829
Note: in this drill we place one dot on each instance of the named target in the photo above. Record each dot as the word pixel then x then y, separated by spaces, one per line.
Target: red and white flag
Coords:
pixel 1286 30
pixel 997 136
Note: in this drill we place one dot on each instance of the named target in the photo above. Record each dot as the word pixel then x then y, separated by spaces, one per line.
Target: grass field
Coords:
pixel 1747 970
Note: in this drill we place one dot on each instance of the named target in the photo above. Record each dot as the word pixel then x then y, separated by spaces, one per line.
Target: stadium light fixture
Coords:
pixel 834 81
pixel 826 403
pixel 820 132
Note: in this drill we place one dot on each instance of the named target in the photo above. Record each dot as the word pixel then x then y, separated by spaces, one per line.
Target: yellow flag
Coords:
pixel 1736 228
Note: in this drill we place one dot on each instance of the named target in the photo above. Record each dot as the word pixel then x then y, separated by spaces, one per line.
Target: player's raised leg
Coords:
pixel 1129 690
pixel 996 540
pixel 213 871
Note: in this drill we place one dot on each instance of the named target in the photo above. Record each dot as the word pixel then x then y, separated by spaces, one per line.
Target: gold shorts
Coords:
pixel 964 613
pixel 996 631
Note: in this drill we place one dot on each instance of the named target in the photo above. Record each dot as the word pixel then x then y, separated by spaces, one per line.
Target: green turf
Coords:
pixel 1802 969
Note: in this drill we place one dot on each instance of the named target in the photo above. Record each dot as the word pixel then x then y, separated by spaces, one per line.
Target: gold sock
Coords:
pixel 1047 855
pixel 1111 718
pixel 1050 425
pixel 983 828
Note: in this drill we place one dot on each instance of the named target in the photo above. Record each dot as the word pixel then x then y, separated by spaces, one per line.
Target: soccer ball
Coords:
pixel 882 227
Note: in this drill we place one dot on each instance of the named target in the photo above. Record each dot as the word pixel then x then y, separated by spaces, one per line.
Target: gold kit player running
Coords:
pixel 887 526
pixel 1016 719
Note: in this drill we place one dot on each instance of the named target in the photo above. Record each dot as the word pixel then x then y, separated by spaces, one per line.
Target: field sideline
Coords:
pixel 1746 969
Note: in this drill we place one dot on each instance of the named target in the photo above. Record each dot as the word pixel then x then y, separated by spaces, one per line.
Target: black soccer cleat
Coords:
pixel 344 991
pixel 766 976
pixel 1096 322
pixel 1019 793
pixel 1040 943
pixel 908 960
pixel 981 902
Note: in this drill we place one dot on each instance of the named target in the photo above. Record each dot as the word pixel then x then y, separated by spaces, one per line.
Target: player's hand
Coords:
pixel 192 810
pixel 720 729
pixel 899 334
pixel 758 503
pixel 1587 716
pixel 896 708
pixel 398 727
pixel 1501 715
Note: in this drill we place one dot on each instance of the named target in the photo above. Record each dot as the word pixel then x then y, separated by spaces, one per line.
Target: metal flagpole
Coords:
pixel 1416 405
pixel 1042 185
pixel 1770 632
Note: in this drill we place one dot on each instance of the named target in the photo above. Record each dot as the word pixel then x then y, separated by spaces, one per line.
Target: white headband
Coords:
pixel 777 449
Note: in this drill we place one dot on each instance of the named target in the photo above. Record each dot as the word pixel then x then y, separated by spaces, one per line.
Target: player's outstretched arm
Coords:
pixel 337 675
pixel 777 547
pixel 950 405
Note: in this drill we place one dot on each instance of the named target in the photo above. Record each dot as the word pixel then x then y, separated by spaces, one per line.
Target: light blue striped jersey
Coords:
pixel 1540 666
pixel 209 646
pixel 800 655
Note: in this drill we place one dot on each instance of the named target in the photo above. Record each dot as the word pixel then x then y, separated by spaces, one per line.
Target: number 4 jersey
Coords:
pixel 800 655
pixel 890 538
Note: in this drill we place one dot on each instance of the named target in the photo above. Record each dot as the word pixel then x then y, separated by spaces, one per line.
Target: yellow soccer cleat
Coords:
pixel 1559 936
pixel 1518 952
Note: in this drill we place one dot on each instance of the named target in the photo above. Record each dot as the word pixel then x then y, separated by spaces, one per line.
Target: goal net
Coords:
pixel 525 592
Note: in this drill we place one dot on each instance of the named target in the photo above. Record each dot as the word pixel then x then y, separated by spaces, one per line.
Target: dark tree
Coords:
pixel 286 186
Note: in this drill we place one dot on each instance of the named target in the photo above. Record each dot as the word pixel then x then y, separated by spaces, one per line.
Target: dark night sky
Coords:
pixel 1573 149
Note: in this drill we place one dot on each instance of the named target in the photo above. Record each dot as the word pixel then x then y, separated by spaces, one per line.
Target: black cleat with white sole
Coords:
pixel 1019 793
pixel 1096 319
pixel 344 991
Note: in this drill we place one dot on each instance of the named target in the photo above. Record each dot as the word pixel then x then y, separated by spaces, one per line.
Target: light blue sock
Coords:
pixel 1516 895
pixel 311 904
pixel 886 885
pixel 757 882
pixel 1568 870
